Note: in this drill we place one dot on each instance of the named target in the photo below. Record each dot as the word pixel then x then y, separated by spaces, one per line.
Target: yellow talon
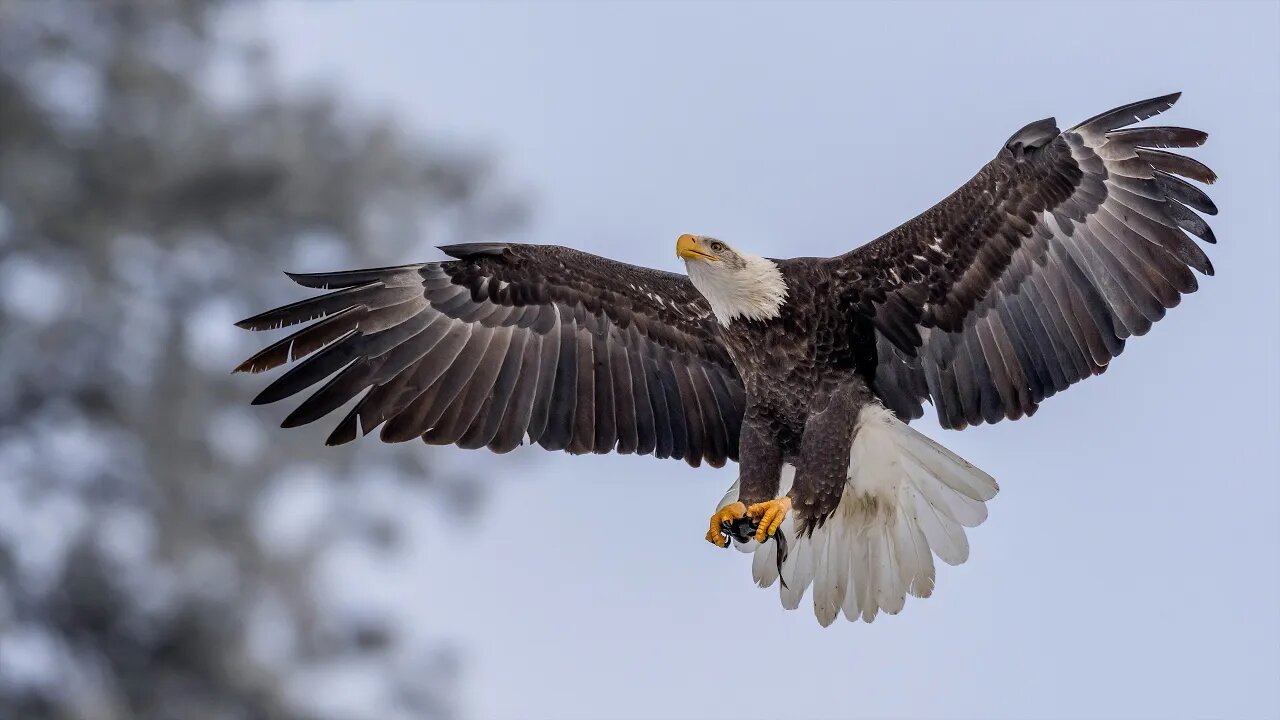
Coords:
pixel 769 515
pixel 728 513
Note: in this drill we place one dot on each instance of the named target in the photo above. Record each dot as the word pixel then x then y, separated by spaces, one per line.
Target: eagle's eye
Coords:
pixel 717 246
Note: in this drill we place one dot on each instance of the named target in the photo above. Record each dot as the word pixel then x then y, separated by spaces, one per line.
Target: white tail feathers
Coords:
pixel 906 499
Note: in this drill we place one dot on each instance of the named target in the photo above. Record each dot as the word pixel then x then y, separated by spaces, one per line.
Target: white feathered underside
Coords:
pixel 906 499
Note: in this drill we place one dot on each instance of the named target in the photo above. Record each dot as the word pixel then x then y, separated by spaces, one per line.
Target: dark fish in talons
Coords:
pixel 743 530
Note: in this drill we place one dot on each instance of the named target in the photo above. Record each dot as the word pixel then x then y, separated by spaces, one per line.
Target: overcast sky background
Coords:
pixel 1130 564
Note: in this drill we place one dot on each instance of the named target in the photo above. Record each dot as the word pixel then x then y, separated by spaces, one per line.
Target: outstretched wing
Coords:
pixel 570 350
pixel 1031 276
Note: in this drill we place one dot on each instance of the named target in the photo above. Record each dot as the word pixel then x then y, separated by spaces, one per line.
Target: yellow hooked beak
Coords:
pixel 687 248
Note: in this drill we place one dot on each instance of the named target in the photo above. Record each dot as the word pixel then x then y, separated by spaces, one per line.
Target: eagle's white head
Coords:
pixel 735 284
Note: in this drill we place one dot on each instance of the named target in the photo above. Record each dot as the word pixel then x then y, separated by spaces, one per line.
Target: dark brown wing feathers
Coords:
pixel 1031 276
pixel 507 343
pixel 1027 279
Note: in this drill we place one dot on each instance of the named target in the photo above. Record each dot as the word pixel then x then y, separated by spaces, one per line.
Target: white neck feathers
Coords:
pixel 754 291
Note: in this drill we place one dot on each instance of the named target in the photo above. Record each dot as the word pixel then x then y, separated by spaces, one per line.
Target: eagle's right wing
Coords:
pixel 512 342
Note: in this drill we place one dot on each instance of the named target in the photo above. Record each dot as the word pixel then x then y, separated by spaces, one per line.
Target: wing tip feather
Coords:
pixel 1129 113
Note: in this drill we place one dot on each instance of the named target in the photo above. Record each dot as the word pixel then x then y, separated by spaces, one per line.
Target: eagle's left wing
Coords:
pixel 1031 276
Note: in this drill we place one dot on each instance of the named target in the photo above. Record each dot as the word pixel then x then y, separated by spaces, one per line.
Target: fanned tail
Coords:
pixel 906 499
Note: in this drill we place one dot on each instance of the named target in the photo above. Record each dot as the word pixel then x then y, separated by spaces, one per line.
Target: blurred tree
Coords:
pixel 164 551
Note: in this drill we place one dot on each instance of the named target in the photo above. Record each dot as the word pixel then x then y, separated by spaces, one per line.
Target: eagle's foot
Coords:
pixel 723 517
pixel 769 516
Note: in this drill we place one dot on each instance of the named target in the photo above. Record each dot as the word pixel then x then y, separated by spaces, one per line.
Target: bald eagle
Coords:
pixel 805 371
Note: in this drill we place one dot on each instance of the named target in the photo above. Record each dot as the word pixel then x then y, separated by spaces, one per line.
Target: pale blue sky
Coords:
pixel 1130 565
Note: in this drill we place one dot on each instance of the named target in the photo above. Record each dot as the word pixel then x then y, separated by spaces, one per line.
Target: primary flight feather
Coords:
pixel 1027 279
